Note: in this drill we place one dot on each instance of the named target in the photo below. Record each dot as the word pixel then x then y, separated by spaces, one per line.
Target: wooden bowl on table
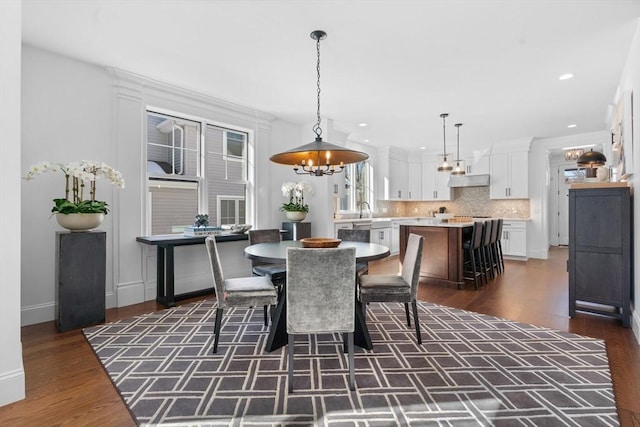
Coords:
pixel 319 242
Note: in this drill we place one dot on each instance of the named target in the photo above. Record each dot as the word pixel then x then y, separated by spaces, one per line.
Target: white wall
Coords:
pixel 12 381
pixel 630 81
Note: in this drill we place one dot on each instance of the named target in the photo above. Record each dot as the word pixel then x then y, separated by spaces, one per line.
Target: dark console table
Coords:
pixel 81 260
pixel 165 290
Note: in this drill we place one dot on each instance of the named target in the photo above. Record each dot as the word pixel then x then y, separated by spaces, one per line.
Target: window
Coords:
pixel 191 172
pixel 358 187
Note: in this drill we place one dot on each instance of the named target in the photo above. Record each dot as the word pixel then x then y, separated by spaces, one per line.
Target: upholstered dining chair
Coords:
pixel 321 297
pixel 251 291
pixel 277 273
pixel 351 235
pixel 398 288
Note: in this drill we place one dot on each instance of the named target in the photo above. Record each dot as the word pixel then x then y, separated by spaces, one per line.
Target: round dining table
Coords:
pixel 276 252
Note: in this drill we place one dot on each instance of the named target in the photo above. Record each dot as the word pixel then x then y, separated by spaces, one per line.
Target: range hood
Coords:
pixel 469 181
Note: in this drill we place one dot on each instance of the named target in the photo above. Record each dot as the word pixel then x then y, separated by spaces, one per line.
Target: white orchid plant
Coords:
pixel 295 193
pixel 78 175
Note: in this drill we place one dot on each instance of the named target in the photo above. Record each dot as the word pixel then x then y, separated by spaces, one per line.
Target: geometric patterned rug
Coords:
pixel 472 369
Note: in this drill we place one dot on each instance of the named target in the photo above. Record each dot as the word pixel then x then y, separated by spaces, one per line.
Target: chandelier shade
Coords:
pixel 318 158
pixel 591 159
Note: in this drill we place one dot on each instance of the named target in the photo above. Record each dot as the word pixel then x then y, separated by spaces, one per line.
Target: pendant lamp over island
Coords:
pixel 459 168
pixel 444 165
pixel 318 158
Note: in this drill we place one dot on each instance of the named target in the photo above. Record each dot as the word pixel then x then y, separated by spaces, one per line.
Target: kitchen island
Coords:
pixel 442 254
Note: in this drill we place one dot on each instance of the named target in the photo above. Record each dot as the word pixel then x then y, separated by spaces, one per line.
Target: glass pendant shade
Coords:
pixel 318 158
pixel 444 159
pixel 460 166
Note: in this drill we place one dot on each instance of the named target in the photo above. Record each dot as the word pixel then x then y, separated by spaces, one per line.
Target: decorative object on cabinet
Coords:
pixel 443 164
pixel 460 168
pixel 80 279
pixel 318 158
pixel 600 245
pixel 622 138
pixel 79 175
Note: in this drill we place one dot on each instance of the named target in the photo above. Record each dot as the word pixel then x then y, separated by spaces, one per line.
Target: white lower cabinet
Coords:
pixel 345 225
pixel 514 238
pixel 381 236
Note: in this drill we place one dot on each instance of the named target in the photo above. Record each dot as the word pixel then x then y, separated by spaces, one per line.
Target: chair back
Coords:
pixel 268 235
pixel 476 239
pixel 494 230
pixel 486 233
pixel 354 235
pixel 500 221
pixel 216 270
pixel 412 262
pixel 320 290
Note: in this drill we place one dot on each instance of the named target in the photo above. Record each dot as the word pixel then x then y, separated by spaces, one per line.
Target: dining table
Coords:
pixel 276 252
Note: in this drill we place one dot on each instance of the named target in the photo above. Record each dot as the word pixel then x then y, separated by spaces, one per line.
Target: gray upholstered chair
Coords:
pixel 398 288
pixel 351 235
pixel 321 297
pixel 251 291
pixel 275 272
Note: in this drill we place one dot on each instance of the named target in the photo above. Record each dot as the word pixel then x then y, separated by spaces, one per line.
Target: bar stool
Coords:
pixel 493 246
pixel 499 244
pixel 473 264
pixel 487 260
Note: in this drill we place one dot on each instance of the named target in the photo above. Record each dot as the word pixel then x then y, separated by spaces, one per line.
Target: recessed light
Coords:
pixel 366 140
pixel 572 126
pixel 363 125
pixel 423 148
pixel 566 76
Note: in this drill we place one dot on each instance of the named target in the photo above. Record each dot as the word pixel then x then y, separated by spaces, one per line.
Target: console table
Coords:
pixel 165 286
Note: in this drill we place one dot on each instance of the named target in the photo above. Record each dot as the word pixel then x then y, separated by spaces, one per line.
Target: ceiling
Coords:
pixel 395 65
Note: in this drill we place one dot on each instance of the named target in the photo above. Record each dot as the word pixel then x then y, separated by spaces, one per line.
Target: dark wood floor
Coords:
pixel 66 385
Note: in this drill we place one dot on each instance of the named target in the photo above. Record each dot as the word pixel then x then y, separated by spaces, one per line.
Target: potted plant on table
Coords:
pixel 79 210
pixel 296 209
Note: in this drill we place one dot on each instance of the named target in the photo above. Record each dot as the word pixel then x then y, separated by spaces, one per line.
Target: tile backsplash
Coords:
pixel 467 201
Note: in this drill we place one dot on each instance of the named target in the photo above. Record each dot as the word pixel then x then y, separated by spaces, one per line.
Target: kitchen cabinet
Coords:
pixel 509 176
pixel 514 238
pixel 398 179
pixel 414 185
pixel 600 257
pixel 477 165
pixel 381 236
pixel 435 185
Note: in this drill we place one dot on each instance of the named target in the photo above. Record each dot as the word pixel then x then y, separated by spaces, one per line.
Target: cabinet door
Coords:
pixel 517 245
pixel 519 175
pixel 336 227
pixel 381 236
pixel 398 179
pixel 415 181
pixel 478 165
pixel 435 185
pixel 499 182
pixel 395 237
pixel 443 191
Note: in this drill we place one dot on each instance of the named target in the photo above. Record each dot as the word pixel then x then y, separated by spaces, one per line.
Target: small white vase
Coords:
pixel 295 216
pixel 78 222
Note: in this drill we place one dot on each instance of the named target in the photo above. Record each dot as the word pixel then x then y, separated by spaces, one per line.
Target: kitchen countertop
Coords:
pixel 423 220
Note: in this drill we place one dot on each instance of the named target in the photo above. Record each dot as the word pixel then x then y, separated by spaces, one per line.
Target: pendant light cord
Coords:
pixel 316 128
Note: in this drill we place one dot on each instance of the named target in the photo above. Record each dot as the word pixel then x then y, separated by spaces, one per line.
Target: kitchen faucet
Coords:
pixel 368 207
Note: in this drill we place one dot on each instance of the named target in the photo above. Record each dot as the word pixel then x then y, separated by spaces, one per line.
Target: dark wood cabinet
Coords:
pixel 80 279
pixel 600 259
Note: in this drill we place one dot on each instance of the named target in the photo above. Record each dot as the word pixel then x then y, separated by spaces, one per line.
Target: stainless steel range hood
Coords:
pixel 469 181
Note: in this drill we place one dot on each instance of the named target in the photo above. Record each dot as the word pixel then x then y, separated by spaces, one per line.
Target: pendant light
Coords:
pixel 459 168
pixel 318 158
pixel 444 164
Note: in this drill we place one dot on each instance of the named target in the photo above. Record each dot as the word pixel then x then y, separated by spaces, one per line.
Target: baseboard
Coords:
pixel 130 293
pixel 12 386
pixel 39 313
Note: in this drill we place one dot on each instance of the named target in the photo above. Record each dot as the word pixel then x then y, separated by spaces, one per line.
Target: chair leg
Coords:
pixel 290 354
pixel 266 315
pixel 415 320
pixel 406 310
pixel 352 376
pixel 473 268
pixel 216 328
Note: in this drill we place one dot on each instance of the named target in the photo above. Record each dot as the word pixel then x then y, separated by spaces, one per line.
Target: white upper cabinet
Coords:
pixel 509 175
pixel 398 179
pixel 477 165
pixel 414 187
pixel 435 185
